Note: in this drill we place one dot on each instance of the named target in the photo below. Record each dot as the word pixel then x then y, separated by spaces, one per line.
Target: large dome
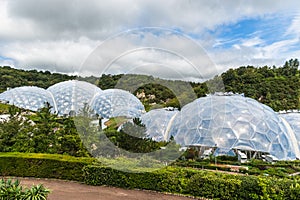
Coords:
pixel 158 122
pixel 234 122
pixel 70 96
pixel 28 97
pixel 115 102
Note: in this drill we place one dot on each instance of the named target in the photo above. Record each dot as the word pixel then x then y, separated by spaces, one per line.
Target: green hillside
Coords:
pixel 11 78
pixel 278 87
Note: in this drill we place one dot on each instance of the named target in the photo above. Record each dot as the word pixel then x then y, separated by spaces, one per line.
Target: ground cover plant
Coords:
pixel 11 189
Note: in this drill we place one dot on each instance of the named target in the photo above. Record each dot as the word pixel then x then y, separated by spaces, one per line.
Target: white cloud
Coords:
pixel 158 52
pixel 281 47
pixel 58 35
pixel 294 28
pixel 7 62
pixel 256 55
pixel 59 56
pixel 11 29
pixel 252 42
pixel 95 18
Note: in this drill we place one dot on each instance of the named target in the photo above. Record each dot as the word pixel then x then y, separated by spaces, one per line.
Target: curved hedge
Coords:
pixel 197 183
pixel 43 165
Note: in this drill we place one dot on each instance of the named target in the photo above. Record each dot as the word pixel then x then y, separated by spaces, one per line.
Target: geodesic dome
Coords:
pixel 116 102
pixel 234 122
pixel 294 121
pixel 158 122
pixel 28 97
pixel 71 96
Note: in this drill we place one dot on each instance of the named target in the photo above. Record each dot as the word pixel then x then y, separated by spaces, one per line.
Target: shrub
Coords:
pixel 164 180
pixel 188 181
pixel 213 186
pixel 43 165
pixel 197 183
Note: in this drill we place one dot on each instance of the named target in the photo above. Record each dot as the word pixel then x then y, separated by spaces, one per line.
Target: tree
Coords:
pixel 11 129
pixel 44 132
pixel 290 67
pixel 133 138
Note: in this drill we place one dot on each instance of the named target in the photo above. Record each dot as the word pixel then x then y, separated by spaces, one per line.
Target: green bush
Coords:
pixel 210 185
pixel 197 183
pixel 164 180
pixel 204 164
pixel 43 165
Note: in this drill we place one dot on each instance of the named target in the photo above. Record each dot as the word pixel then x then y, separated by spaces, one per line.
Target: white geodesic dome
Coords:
pixel 158 122
pixel 234 122
pixel 28 97
pixel 116 102
pixel 71 96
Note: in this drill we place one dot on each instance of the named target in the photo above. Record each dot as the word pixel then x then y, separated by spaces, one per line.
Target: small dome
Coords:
pixel 28 97
pixel 234 122
pixel 116 102
pixel 158 123
pixel 70 96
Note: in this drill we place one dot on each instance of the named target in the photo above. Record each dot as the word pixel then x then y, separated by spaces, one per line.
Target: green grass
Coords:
pixel 143 164
pixel 3 108
pixel 59 157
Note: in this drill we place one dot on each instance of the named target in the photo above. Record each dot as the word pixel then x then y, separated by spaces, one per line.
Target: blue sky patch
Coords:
pixel 268 29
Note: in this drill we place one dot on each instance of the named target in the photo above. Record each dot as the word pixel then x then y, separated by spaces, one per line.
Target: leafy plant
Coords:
pixel 38 192
pixel 11 190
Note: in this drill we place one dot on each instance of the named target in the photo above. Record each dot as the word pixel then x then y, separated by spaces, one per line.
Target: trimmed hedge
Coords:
pixel 203 165
pixel 197 183
pixel 165 180
pixel 43 165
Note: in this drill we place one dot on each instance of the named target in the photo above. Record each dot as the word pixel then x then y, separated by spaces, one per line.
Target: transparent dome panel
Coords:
pixel 158 122
pixel 294 121
pixel 233 122
pixel 71 96
pixel 116 102
pixel 28 97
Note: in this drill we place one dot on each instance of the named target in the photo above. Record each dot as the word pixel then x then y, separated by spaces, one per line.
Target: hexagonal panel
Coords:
pixel 113 102
pixel 28 97
pixel 243 129
pixel 226 138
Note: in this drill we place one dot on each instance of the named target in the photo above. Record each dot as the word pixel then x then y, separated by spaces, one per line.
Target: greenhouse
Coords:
pixel 234 122
pixel 116 102
pixel 158 122
pixel 28 97
pixel 225 123
pixel 70 96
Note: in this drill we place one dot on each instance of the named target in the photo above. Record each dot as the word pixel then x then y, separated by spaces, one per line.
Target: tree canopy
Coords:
pixel 277 87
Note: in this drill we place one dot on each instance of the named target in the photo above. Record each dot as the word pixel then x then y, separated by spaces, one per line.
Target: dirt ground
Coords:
pixel 66 190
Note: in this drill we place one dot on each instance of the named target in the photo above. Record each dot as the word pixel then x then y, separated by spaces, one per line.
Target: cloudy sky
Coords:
pixel 189 39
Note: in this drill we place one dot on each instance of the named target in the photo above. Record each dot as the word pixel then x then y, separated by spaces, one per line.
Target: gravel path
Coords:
pixel 67 190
